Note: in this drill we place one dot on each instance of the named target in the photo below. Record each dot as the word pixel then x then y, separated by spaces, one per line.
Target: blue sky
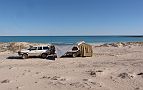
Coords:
pixel 71 17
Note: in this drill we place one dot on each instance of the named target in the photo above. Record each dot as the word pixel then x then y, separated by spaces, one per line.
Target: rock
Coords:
pixel 85 79
pixel 5 81
pixel 55 78
pixel 44 77
pixel 93 73
pixel 123 75
pixel 99 71
pixel 137 88
pixel 140 74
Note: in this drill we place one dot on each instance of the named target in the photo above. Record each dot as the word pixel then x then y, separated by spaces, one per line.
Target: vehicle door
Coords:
pixel 39 51
pixel 33 51
pixel 46 49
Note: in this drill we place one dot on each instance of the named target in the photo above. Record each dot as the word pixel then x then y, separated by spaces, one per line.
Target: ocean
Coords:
pixel 71 39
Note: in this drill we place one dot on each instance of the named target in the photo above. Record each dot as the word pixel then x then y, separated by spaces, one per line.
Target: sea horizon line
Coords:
pixel 71 35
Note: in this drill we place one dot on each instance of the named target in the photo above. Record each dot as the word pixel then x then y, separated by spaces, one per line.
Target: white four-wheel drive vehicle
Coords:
pixel 41 51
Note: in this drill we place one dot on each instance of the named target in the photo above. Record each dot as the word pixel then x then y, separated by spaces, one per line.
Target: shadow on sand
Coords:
pixel 32 57
pixel 18 57
pixel 14 57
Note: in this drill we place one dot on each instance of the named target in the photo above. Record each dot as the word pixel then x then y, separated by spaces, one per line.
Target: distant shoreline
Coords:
pixel 78 36
pixel 71 39
pixel 96 43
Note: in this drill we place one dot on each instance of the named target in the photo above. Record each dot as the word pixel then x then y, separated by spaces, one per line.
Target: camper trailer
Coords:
pixel 80 49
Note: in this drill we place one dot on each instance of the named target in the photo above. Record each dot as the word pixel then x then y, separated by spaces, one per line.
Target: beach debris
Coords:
pixel 77 84
pixel 43 77
pixel 140 74
pixel 27 70
pixel 85 79
pixel 37 72
pixel 63 79
pixel 92 73
pixel 94 83
pixel 124 75
pixel 10 67
pixel 5 81
pixel 58 83
pixel 17 88
pixel 99 71
pixel 55 78
pixel 35 82
pixel 137 88
pixel 87 85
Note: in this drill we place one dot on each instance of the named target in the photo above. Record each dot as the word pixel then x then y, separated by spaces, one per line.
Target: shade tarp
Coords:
pixel 61 49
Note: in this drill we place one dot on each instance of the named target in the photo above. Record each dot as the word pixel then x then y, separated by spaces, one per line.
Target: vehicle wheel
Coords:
pixel 24 56
pixel 44 55
pixel 74 55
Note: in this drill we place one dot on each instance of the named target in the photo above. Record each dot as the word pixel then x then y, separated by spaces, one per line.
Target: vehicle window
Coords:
pixel 74 48
pixel 39 48
pixel 33 48
pixel 45 48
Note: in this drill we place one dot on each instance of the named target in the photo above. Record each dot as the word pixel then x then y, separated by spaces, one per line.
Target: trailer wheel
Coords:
pixel 24 56
pixel 74 55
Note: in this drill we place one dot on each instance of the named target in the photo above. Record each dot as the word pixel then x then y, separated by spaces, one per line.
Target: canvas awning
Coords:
pixel 61 49
pixel 85 49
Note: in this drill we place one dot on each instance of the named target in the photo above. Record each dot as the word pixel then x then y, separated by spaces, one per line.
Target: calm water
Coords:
pixel 69 39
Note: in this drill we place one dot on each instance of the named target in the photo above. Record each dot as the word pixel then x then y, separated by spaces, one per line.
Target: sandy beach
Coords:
pixel 112 67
